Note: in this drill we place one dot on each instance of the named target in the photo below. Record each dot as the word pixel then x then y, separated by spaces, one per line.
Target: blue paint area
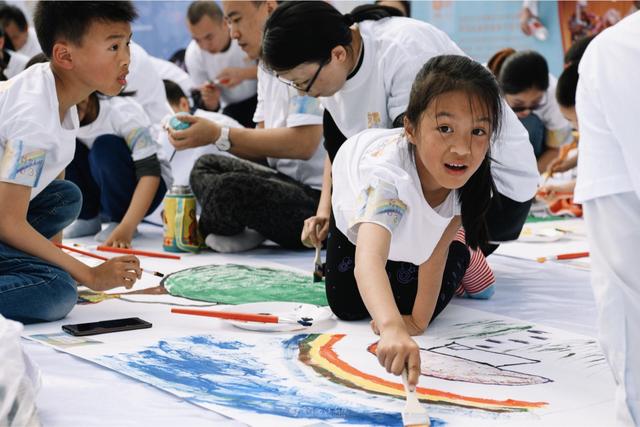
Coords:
pixel 262 379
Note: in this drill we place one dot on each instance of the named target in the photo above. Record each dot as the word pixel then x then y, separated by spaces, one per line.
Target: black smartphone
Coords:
pixel 106 326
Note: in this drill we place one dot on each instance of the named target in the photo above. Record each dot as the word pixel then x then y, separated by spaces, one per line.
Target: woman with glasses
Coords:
pixel 529 89
pixel 361 66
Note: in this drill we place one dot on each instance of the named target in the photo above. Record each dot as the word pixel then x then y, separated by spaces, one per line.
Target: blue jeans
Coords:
pixel 107 178
pixel 31 289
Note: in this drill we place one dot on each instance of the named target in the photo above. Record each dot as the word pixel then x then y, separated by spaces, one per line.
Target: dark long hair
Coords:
pixel 447 73
pixel 307 31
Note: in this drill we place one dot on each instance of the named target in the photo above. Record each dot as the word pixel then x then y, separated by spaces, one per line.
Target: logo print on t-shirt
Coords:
pixel 20 166
pixel 373 120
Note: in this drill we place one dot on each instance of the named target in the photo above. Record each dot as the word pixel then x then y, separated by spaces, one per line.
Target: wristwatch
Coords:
pixel 223 143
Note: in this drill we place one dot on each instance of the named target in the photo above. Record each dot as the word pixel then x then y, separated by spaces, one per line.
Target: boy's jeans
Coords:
pixel 31 289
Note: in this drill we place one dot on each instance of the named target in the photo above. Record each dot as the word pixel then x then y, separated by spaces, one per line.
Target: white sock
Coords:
pixel 244 241
pixel 82 227
pixel 104 234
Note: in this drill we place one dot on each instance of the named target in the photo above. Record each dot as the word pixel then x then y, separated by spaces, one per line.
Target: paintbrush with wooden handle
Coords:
pixel 413 414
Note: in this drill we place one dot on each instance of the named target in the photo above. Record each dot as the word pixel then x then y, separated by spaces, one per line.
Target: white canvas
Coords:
pixel 478 368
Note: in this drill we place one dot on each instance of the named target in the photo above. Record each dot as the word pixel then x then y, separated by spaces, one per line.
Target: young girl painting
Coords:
pixel 404 194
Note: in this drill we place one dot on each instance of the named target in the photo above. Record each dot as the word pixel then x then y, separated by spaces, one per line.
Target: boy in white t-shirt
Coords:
pixel 217 65
pixel 244 202
pixel 88 46
pixel 115 135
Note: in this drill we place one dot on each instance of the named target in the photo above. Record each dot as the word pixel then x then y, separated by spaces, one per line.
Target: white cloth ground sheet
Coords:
pixel 75 392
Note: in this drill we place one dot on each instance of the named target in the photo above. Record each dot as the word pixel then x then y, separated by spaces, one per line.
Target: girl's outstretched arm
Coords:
pixel 396 350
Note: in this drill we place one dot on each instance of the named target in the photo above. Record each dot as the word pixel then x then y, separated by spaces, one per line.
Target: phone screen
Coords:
pixel 106 326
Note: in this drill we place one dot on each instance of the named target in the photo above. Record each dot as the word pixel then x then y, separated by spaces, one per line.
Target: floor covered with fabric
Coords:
pixel 77 392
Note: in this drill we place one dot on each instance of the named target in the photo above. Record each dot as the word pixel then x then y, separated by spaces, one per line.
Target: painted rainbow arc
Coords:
pixel 317 352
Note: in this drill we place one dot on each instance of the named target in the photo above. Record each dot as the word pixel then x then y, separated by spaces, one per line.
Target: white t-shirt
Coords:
pixel 395 49
pixel 147 84
pixel 170 71
pixel 558 129
pixel 31 46
pixel 34 146
pixel 124 117
pixel 182 161
pixel 608 113
pixel 281 106
pixel 379 183
pixel 204 66
pixel 16 64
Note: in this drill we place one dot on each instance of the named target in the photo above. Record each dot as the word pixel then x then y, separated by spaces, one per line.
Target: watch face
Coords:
pixel 223 144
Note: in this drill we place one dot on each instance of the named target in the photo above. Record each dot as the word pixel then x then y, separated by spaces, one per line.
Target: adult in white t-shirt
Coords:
pixel 218 66
pixel 23 38
pixel 608 186
pixel 530 91
pixel 118 166
pixel 238 195
pixel 363 65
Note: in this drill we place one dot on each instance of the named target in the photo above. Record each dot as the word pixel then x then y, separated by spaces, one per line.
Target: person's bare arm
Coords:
pixel 316 228
pixel 141 200
pixel 233 76
pixel 396 350
pixel 549 155
pixel 15 231
pixel 299 142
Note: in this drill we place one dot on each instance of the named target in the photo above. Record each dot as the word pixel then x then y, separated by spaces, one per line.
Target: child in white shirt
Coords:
pixel 402 197
pixel 115 136
pixel 88 44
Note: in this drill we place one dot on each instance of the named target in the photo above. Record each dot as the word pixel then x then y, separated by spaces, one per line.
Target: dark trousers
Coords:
pixel 31 289
pixel 342 290
pixel 107 178
pixel 235 194
pixel 243 111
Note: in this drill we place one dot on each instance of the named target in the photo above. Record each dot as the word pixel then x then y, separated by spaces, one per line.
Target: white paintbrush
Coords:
pixel 413 414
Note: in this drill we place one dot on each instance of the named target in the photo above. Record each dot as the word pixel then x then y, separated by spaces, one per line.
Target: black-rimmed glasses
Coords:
pixel 536 106
pixel 296 86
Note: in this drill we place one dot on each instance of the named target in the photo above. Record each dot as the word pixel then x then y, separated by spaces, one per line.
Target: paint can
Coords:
pixel 179 221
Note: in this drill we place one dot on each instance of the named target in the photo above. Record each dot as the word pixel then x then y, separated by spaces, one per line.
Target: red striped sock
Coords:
pixel 478 276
